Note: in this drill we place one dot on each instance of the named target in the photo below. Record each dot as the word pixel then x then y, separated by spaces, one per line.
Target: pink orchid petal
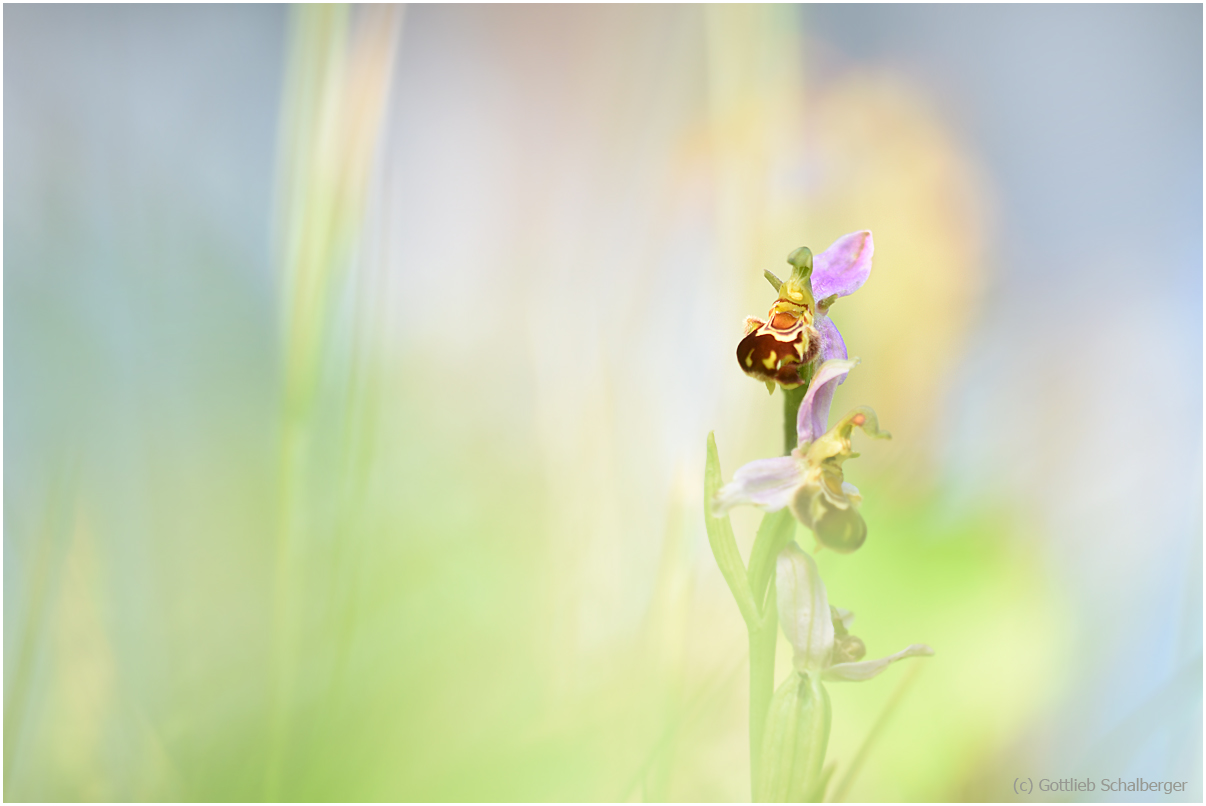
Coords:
pixel 832 345
pixel 844 266
pixel 764 483
pixel 813 417
pixel 803 609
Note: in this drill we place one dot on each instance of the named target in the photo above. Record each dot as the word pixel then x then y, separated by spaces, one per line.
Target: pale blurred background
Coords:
pixel 359 365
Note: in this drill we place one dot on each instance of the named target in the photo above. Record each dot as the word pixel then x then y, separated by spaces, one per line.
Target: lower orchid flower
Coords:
pixel 796 734
pixel 819 634
pixel 809 480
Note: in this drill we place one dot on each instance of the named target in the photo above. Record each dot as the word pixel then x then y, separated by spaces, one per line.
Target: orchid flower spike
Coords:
pixel 810 479
pixel 824 649
pixel 797 330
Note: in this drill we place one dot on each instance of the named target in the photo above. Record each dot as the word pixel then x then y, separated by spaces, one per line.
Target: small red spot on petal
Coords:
pixel 858 419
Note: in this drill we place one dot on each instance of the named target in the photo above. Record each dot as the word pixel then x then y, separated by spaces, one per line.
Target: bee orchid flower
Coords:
pixel 809 480
pixel 797 329
pixel 824 649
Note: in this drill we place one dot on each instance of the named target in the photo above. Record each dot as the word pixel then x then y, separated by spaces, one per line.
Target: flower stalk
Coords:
pixel 797 348
pixel 776 531
pixel 791 406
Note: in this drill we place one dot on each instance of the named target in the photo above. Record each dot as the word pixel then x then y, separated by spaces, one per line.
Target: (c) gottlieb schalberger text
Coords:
pixel 1026 785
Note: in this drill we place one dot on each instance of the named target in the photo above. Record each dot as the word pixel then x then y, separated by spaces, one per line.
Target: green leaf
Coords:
pixel 724 545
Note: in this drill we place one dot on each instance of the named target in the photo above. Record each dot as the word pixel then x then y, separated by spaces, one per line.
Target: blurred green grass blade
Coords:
pixel 724 545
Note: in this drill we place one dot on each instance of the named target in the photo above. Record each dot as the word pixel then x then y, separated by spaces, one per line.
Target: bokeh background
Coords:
pixel 359 362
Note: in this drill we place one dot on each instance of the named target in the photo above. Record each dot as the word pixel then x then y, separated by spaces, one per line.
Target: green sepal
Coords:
pixel 794 742
pixel 772 279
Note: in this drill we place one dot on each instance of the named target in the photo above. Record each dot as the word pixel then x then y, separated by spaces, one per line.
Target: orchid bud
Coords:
pixel 794 742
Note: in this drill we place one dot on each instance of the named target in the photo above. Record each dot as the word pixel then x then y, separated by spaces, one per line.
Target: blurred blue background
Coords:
pixel 1081 391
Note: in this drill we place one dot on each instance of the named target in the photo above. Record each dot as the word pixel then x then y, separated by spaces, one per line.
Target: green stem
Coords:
pixel 776 531
pixel 754 587
pixel 762 687
pixel 791 405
